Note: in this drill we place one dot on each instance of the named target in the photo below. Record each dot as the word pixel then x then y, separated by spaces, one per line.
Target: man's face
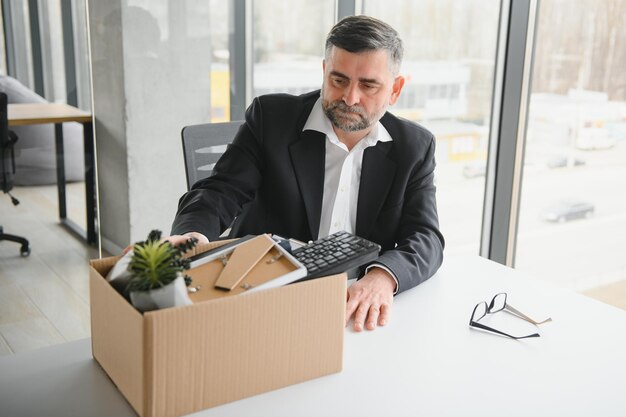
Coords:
pixel 358 88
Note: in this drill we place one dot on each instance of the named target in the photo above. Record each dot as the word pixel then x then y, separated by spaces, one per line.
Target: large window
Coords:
pixel 17 14
pixel 288 45
pixel 193 37
pixel 48 49
pixel 450 50
pixel 572 226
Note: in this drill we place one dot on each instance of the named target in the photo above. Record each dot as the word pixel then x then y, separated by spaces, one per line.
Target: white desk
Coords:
pixel 425 362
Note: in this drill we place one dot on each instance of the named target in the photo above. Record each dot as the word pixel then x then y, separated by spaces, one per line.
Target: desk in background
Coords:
pixel 426 362
pixel 57 114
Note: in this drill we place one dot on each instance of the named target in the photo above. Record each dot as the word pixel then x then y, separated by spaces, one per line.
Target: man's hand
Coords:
pixel 176 240
pixel 370 300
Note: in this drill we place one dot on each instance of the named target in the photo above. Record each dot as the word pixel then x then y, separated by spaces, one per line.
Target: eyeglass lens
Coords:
pixel 498 302
pixel 480 311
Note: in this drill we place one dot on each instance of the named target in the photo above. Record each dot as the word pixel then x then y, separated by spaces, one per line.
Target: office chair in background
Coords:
pixel 7 169
pixel 203 145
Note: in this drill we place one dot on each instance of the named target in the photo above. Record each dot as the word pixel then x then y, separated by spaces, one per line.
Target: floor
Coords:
pixel 44 298
pixel 613 294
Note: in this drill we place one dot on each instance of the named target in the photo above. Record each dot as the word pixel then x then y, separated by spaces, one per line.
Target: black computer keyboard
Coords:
pixel 339 252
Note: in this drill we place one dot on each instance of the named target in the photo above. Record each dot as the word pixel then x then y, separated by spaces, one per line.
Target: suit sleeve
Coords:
pixel 419 243
pixel 213 203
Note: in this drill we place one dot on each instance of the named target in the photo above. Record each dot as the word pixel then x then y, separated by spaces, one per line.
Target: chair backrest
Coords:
pixel 6 170
pixel 203 145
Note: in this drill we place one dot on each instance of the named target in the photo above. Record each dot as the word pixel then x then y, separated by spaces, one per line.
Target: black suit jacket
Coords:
pixel 272 179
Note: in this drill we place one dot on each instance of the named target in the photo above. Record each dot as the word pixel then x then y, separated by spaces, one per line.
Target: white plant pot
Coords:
pixel 119 275
pixel 172 295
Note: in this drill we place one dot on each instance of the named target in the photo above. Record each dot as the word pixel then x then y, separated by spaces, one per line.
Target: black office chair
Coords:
pixel 203 145
pixel 7 169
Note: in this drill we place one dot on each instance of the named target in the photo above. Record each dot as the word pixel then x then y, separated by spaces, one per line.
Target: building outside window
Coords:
pixel 449 64
pixel 572 226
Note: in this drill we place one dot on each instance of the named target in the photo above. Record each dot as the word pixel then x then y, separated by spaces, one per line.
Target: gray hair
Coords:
pixel 364 33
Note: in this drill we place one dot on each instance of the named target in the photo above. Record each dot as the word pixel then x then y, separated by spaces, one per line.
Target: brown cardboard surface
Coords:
pixel 240 346
pixel 176 361
pixel 116 334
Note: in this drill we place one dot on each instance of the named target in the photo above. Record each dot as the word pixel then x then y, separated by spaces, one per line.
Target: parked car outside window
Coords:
pixel 568 210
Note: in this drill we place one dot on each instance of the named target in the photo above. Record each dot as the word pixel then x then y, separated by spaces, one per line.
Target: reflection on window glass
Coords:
pixel 449 63
pixel 22 59
pixel 572 226
pixel 194 34
pixel 289 45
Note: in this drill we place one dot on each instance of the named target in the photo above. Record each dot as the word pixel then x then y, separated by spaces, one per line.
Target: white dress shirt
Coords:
pixel 342 175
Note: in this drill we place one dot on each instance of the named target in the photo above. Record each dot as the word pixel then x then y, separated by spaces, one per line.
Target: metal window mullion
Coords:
pixel 249 51
pixel 9 41
pixel 35 41
pixel 240 45
pixel 82 54
pixel 68 52
pixel 45 38
pixel 521 131
pixel 344 8
pixel 507 133
pixel 494 128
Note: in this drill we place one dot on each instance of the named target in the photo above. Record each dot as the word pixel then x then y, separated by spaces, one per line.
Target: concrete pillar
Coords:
pixel 151 77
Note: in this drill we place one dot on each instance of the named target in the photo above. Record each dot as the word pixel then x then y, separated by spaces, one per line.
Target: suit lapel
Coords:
pixel 377 176
pixel 308 159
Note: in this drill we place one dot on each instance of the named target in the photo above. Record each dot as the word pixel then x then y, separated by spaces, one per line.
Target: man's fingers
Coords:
pixel 200 238
pixel 351 306
pixel 176 240
pixel 359 317
pixel 372 317
pixel 385 312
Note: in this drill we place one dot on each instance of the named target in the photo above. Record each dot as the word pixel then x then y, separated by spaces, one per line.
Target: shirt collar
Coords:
pixel 319 122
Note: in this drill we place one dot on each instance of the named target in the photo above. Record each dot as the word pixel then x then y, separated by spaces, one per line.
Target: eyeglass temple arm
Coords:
pixel 519 314
pixel 491 329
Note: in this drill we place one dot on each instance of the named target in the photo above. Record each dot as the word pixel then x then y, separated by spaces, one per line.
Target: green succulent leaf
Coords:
pixel 155 264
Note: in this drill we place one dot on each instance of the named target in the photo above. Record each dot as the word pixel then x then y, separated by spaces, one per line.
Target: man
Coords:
pixel 308 166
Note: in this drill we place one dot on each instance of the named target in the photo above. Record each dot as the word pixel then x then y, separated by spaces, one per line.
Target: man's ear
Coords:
pixel 398 83
pixel 323 66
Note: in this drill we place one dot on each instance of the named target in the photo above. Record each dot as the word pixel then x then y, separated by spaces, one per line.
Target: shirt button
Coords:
pixel 343 189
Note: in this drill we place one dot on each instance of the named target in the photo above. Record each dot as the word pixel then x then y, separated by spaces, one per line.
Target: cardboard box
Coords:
pixel 180 360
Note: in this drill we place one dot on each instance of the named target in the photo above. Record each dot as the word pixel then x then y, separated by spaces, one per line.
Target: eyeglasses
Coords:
pixel 498 303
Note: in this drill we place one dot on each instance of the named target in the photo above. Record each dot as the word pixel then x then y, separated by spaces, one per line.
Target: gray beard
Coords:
pixel 335 111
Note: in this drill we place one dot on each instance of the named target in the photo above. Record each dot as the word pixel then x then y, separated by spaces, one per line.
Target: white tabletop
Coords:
pixel 427 361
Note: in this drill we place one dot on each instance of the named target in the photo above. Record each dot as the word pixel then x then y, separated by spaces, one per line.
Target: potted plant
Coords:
pixel 156 279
